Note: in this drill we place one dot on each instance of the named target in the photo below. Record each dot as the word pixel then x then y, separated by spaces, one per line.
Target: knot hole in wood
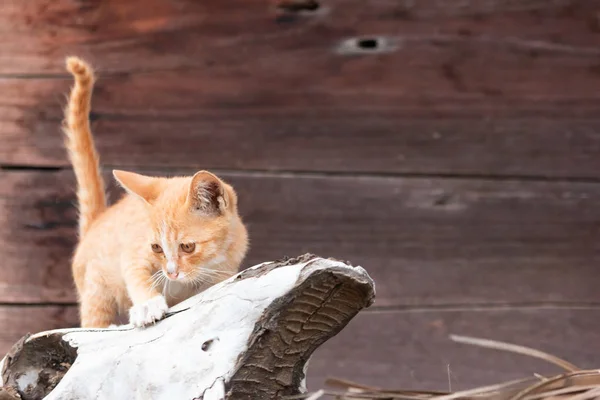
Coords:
pixel 367 45
pixel 295 6
pixel 292 10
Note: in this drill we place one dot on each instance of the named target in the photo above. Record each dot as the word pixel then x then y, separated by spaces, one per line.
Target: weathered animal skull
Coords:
pixel 249 337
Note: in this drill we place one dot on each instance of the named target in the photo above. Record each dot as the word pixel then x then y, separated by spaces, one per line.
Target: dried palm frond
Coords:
pixel 574 384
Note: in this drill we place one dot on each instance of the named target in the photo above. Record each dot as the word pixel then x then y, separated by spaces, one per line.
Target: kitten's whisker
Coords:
pixel 200 280
pixel 217 273
pixel 166 288
pixel 156 280
pixel 209 271
pixel 206 278
pixel 220 270
pixel 154 276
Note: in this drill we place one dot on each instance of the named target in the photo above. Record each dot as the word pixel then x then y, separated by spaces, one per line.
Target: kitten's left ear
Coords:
pixel 208 193
pixel 142 186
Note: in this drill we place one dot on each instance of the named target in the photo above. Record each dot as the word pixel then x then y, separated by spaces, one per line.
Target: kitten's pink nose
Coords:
pixel 173 275
pixel 172 272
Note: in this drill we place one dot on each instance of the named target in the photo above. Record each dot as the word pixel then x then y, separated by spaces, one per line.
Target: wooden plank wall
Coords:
pixel 451 147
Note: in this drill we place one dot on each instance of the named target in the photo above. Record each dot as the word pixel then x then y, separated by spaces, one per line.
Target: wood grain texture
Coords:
pixel 346 142
pixel 498 89
pixel 469 88
pixel 412 350
pixel 18 320
pixel 126 37
pixel 424 241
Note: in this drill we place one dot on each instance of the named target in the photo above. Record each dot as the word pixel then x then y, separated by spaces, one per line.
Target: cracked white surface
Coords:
pixel 216 391
pixel 168 360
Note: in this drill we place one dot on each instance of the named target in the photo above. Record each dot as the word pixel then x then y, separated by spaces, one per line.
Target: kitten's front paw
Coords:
pixel 149 312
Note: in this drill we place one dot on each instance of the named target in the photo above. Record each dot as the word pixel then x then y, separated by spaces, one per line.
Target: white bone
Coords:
pixel 202 347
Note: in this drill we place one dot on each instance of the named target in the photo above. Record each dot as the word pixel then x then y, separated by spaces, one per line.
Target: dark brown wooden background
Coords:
pixel 452 148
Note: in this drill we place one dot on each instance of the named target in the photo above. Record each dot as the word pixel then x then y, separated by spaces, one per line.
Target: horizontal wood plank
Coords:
pixel 18 320
pixel 425 241
pixel 344 141
pixel 150 35
pixel 412 350
pixel 465 88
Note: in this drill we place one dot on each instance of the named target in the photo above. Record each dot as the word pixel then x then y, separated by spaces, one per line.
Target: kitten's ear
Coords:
pixel 207 193
pixel 145 187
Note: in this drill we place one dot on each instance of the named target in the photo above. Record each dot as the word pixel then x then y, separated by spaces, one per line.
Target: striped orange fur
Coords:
pixel 164 241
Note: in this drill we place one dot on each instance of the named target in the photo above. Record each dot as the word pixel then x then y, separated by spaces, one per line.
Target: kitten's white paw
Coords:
pixel 149 312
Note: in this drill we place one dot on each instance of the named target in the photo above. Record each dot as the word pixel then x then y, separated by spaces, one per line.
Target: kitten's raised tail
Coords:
pixel 80 145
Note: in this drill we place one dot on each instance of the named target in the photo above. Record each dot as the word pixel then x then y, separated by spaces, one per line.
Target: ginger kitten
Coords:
pixel 164 241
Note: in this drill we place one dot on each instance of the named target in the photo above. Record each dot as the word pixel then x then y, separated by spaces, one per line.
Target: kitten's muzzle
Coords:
pixel 172 271
pixel 173 275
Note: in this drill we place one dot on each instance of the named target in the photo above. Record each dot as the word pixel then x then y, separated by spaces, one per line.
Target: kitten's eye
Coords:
pixel 187 247
pixel 156 248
